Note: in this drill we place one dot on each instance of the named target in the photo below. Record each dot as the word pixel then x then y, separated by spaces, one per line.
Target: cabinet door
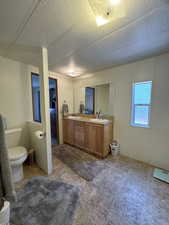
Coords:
pixel 87 131
pixel 79 134
pixel 68 134
pixel 96 139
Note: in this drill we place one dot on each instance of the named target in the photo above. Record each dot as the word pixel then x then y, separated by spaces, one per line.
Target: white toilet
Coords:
pixel 17 156
pixel 17 153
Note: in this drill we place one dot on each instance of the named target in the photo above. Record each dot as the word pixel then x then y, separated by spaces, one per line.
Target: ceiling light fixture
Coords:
pixel 106 11
pixel 115 2
pixel 73 73
pixel 101 21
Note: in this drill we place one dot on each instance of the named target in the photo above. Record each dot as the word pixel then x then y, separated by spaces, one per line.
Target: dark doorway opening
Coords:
pixel 89 100
pixel 53 101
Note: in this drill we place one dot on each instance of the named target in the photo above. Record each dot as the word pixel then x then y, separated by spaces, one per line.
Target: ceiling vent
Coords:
pixel 106 11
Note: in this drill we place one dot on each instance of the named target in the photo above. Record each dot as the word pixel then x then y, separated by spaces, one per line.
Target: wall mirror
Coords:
pixel 96 99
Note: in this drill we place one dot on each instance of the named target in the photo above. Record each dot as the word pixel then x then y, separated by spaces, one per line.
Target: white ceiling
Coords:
pixel 68 29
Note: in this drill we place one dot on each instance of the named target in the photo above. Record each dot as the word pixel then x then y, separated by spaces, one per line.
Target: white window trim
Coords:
pixel 133 124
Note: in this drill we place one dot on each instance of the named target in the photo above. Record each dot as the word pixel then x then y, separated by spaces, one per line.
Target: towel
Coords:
pixel 65 108
pixel 7 190
pixel 82 108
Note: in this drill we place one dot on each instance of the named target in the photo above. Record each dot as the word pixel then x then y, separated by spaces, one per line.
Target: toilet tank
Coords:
pixel 14 137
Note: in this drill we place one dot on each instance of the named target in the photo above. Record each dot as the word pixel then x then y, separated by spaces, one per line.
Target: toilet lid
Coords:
pixel 17 152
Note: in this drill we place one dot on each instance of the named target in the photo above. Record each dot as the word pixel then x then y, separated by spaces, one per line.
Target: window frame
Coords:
pixel 133 106
pixel 33 108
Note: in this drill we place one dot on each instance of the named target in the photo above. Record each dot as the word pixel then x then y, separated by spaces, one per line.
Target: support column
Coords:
pixel 47 154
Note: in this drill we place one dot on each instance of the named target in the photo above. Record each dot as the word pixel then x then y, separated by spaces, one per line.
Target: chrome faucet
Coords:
pixel 98 114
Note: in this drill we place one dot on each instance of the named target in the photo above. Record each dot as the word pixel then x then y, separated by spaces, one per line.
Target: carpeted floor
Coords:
pixel 85 165
pixel 123 193
pixel 43 201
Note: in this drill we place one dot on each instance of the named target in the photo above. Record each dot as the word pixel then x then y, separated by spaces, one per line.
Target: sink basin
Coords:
pixel 98 120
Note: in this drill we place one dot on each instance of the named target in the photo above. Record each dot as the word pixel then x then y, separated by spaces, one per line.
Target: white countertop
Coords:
pixel 88 120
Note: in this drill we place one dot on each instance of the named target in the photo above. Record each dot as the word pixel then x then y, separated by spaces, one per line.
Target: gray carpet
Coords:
pixel 85 165
pixel 43 201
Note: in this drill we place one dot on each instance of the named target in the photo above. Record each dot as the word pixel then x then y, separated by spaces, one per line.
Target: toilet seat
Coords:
pixel 17 153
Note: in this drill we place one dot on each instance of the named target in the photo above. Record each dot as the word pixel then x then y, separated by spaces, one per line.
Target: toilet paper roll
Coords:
pixel 39 134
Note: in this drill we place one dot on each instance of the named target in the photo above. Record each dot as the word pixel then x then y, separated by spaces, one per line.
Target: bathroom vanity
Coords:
pixel 89 134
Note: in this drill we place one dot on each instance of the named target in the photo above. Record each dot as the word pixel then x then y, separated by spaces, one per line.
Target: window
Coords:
pixel 89 100
pixel 36 97
pixel 141 104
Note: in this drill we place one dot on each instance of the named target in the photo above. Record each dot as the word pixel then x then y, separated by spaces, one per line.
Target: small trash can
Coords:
pixel 115 148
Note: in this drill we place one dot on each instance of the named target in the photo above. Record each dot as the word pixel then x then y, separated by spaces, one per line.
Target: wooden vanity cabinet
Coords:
pixel 91 137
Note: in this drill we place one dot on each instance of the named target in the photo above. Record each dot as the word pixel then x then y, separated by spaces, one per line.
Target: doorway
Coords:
pixel 53 107
pixel 89 100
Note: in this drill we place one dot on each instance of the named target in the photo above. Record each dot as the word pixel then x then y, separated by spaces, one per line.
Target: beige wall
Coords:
pixel 147 144
pixel 14 98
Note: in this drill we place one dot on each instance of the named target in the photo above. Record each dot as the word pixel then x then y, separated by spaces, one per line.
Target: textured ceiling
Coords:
pixel 68 29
